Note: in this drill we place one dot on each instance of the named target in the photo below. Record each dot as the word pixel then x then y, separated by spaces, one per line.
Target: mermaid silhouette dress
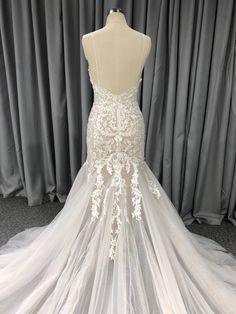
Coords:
pixel 118 246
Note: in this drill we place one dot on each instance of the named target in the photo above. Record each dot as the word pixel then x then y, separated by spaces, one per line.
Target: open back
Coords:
pixel 117 58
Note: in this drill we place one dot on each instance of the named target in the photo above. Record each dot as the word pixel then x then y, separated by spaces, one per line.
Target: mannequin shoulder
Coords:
pixel 148 44
pixel 148 40
pixel 85 43
pixel 86 38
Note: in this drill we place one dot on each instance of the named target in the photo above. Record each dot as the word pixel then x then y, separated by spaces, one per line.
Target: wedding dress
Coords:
pixel 118 246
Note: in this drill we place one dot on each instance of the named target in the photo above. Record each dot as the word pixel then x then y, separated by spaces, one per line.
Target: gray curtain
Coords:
pixel 188 98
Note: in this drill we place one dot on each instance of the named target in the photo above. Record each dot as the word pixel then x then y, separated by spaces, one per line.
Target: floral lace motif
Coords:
pixel 153 187
pixel 115 151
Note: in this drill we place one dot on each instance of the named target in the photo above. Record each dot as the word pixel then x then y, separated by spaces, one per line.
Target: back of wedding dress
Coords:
pixel 118 245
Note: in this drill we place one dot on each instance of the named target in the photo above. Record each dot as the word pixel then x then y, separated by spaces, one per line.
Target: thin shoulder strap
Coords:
pixel 96 60
pixel 141 52
pixel 143 42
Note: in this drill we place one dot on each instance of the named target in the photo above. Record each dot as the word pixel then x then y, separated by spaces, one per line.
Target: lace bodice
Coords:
pixel 117 125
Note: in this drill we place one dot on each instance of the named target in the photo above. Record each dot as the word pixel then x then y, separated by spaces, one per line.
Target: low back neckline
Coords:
pixel 127 91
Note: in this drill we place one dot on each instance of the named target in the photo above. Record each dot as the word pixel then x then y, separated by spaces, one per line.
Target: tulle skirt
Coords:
pixel 159 267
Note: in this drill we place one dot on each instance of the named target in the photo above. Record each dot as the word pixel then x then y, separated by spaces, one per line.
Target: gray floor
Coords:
pixel 16 215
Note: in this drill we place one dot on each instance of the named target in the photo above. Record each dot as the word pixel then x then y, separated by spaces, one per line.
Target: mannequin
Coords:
pixel 116 53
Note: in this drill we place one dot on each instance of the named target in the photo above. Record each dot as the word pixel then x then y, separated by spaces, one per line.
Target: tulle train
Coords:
pixel 160 266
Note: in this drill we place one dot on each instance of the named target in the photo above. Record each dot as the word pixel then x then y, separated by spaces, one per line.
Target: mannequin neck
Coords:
pixel 116 18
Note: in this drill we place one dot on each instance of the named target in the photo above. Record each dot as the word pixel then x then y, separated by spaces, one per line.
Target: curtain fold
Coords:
pixel 187 96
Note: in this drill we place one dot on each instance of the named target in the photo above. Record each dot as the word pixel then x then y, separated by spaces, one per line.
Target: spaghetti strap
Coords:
pixel 141 54
pixel 95 56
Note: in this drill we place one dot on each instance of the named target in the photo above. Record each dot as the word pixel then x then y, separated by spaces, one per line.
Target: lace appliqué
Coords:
pixel 136 199
pixel 116 165
pixel 153 187
pixel 115 147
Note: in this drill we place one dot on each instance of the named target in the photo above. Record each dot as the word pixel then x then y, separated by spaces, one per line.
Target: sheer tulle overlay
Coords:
pixel 118 245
